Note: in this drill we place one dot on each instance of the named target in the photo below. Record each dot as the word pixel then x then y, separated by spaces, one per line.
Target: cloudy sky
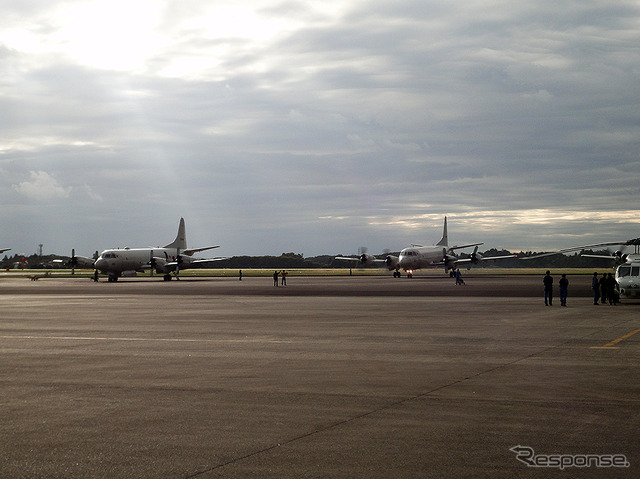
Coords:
pixel 317 127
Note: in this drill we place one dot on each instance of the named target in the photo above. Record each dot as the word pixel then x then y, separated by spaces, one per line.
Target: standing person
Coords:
pixel 548 288
pixel 564 289
pixel 459 279
pixel 275 278
pixel 611 289
pixel 240 275
pixel 603 289
pixel 284 277
pixel 595 286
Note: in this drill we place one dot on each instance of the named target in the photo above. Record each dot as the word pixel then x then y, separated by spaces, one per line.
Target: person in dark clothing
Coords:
pixel 603 289
pixel 548 289
pixel 595 286
pixel 611 289
pixel 564 289
pixel 275 278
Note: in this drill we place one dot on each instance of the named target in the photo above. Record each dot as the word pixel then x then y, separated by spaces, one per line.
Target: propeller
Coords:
pixel 449 260
pixel 179 263
pixel 152 263
pixel 475 256
pixel 74 261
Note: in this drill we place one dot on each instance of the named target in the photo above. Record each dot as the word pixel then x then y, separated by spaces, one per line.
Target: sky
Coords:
pixel 278 126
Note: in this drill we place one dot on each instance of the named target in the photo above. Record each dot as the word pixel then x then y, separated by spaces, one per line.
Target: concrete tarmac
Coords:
pixel 339 377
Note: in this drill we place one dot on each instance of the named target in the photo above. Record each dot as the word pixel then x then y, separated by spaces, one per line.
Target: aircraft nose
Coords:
pixel 100 262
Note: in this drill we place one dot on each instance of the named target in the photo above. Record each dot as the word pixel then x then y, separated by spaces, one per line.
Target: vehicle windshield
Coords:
pixel 624 271
pixel 628 271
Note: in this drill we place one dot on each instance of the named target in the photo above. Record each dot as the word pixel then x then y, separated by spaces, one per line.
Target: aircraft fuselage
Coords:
pixel 420 257
pixel 117 261
pixel 628 278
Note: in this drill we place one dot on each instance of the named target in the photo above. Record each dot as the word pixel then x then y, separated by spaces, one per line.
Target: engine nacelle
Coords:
pixel 392 262
pixel 450 262
pixel 476 258
pixel 158 264
pixel 367 258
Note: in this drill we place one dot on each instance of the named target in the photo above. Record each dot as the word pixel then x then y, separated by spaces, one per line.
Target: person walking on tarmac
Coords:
pixel 283 275
pixel 548 289
pixel 275 278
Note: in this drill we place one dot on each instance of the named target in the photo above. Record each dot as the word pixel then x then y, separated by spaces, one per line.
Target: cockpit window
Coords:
pixel 624 271
pixel 635 271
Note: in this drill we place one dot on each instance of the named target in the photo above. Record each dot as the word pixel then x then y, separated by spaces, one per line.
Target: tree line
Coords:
pixel 296 261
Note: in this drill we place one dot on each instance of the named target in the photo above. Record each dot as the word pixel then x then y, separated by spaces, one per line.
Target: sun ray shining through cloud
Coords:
pixel 337 124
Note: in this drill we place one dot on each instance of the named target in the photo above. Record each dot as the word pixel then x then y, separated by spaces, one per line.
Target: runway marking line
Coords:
pixel 612 344
pixel 167 340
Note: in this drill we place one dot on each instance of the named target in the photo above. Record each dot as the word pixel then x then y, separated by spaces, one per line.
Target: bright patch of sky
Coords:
pixel 279 126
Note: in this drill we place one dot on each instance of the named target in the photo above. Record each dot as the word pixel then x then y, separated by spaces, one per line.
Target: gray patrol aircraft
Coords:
pixel 168 260
pixel 419 257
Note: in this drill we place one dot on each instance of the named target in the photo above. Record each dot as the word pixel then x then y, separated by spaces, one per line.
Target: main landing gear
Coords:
pixel 397 274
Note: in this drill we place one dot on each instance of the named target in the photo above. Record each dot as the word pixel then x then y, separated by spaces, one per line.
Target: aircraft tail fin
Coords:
pixel 445 240
pixel 181 239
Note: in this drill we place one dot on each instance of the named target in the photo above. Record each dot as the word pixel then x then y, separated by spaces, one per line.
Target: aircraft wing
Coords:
pixel 369 259
pixel 202 262
pixel 599 256
pixel 5 249
pixel 578 248
pixel 195 263
pixel 452 248
pixel 191 252
pixel 348 258
pixel 485 258
pixel 80 261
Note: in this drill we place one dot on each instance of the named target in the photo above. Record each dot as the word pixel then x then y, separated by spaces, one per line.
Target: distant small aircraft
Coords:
pixel 5 249
pixel 418 257
pixel 171 258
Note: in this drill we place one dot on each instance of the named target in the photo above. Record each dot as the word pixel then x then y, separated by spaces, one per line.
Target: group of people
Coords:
pixel 603 288
pixel 548 289
pixel 283 275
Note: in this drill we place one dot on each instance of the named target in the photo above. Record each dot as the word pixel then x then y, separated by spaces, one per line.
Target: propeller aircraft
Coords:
pixel 168 260
pixel 419 257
